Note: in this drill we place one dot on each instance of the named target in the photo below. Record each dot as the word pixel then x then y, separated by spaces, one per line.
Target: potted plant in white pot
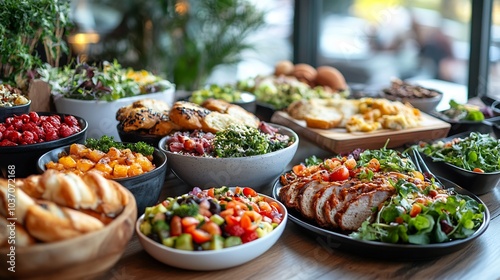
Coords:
pixel 96 92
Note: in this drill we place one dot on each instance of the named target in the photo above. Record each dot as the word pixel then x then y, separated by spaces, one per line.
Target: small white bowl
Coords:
pixel 252 171
pixel 213 259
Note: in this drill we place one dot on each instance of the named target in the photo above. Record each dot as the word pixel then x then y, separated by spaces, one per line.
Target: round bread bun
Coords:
pixel 305 73
pixel 284 67
pixel 330 77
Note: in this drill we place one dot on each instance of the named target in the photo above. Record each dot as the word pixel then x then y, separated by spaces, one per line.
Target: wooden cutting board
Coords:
pixel 338 140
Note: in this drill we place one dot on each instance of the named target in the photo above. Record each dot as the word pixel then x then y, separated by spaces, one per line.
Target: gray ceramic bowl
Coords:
pixel 6 112
pixel 146 187
pixel 477 183
pixel 252 171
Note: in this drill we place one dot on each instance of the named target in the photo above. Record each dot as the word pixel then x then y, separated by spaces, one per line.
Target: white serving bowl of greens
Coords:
pixel 235 160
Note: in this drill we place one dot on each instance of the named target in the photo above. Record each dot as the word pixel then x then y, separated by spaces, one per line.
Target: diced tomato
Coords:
pixel 478 170
pixel 211 192
pixel 350 163
pixel 249 192
pixel 200 236
pixel 175 226
pixel 250 220
pixel 232 220
pixel 234 230
pixel 189 224
pixel 374 165
pixel 211 228
pixel 415 210
pixel 249 236
pixel 340 173
pixel 297 169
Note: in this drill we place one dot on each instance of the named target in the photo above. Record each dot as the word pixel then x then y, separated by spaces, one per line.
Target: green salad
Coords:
pixel 227 93
pixel 243 141
pixel 476 152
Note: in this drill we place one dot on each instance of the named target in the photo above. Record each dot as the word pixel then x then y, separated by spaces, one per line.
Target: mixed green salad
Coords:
pixel 477 152
pixel 109 81
pixel 106 142
pixel 280 92
pixel 463 112
pixel 228 93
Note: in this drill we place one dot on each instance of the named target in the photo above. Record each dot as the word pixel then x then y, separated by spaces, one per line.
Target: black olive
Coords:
pixel 214 207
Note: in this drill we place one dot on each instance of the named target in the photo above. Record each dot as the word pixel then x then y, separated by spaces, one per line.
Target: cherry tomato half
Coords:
pixel 340 173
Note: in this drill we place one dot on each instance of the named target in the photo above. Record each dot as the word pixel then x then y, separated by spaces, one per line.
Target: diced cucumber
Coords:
pixel 217 242
pixel 232 241
pixel 169 241
pixel 217 219
pixel 160 225
pixel 145 228
pixel 184 242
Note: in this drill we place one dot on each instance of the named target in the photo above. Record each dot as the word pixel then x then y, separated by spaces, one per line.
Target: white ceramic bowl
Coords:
pixel 101 115
pixel 213 259
pixel 253 171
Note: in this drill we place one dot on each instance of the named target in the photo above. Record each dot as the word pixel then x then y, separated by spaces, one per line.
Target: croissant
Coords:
pixel 14 202
pixel 91 191
pixel 48 222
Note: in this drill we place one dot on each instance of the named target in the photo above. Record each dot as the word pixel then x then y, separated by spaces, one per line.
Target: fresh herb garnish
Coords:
pixel 106 142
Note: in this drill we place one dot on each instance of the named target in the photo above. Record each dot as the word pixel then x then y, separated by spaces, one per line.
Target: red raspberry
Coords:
pixel 34 117
pixel 65 130
pixel 51 135
pixel 6 142
pixel 71 121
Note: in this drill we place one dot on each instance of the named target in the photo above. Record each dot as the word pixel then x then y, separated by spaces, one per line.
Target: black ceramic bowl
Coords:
pixel 461 126
pixel 477 183
pixel 136 136
pixel 23 158
pixel 146 187
pixel 6 112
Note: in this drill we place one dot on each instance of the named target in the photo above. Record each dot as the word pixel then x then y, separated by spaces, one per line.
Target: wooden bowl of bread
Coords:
pixel 62 226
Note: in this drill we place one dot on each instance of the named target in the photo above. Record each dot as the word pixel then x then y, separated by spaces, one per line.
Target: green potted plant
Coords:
pixel 26 26
pixel 185 39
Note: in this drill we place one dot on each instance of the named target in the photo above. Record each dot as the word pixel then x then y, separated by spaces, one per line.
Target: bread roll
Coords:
pixel 305 73
pixel 22 237
pixel 216 121
pixel 284 67
pixel 19 197
pixel 188 115
pixel 48 222
pixel 330 77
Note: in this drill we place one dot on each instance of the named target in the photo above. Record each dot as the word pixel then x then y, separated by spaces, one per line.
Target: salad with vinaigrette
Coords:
pixel 211 219
pixel 419 211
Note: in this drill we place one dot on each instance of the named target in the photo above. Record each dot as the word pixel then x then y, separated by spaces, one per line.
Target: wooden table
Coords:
pixel 301 255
